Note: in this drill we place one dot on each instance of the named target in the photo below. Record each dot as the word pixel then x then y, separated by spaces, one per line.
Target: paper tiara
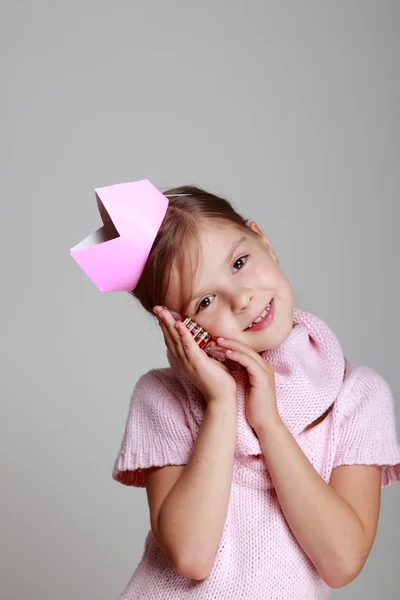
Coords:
pixel 114 256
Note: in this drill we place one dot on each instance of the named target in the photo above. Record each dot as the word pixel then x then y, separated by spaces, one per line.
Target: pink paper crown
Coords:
pixel 114 256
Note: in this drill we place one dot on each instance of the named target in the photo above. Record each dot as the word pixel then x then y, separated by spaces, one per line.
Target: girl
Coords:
pixel 264 480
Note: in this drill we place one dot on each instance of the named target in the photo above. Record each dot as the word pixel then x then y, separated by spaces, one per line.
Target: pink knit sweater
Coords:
pixel 258 556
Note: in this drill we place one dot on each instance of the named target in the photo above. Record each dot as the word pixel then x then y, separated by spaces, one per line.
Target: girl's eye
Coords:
pixel 203 307
pixel 239 260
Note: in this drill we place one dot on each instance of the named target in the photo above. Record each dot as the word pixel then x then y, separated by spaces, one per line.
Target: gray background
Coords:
pixel 291 110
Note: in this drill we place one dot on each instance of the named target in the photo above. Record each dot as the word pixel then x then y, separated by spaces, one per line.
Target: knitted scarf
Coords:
pixel 309 369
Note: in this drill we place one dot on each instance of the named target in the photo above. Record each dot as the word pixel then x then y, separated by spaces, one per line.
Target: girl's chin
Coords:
pixel 270 339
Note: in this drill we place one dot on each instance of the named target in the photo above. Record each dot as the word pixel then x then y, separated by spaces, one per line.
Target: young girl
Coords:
pixel 264 480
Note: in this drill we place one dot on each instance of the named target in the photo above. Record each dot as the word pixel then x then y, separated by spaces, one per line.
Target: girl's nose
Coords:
pixel 243 301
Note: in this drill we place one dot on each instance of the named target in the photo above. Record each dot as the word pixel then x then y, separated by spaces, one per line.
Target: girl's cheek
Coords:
pixel 259 268
pixel 224 327
pixel 266 273
pixel 218 326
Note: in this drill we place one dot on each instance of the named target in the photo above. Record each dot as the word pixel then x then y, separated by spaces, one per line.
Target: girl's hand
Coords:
pixel 209 376
pixel 261 406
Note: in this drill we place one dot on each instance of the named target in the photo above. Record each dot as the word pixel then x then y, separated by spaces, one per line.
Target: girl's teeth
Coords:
pixel 261 317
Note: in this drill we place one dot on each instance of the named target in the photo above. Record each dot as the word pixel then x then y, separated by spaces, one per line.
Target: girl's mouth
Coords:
pixel 264 319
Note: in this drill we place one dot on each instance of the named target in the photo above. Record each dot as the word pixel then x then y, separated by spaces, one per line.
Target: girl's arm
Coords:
pixel 192 517
pixel 334 523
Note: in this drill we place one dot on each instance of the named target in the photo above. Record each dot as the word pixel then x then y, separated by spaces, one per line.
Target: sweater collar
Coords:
pixel 309 369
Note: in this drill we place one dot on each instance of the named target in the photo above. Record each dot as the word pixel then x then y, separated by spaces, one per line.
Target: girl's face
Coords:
pixel 236 279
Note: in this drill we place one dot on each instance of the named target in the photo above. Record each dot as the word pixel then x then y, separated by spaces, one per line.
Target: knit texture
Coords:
pixel 258 556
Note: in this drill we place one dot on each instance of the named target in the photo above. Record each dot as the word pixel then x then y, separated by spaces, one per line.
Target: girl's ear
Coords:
pixel 264 240
pixel 254 227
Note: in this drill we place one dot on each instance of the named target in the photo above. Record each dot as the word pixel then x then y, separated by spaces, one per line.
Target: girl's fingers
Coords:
pixel 242 349
pixel 187 342
pixel 172 334
pixel 177 335
pixel 164 328
pixel 169 322
pixel 247 357
pixel 247 361
pixel 168 340
pixel 168 337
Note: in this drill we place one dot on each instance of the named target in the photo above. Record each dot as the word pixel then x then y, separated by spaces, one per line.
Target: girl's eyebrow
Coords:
pixel 234 247
pixel 227 260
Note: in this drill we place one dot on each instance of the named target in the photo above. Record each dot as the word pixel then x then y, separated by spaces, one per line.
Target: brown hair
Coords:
pixel 188 208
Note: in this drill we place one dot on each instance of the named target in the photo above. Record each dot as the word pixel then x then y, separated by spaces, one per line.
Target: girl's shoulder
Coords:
pixel 156 431
pixel 365 422
pixel 362 386
pixel 154 381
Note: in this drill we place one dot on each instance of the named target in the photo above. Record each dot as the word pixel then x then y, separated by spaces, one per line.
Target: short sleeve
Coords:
pixel 367 427
pixel 156 432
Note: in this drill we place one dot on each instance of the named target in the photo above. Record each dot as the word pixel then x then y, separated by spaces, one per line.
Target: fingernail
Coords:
pixel 221 339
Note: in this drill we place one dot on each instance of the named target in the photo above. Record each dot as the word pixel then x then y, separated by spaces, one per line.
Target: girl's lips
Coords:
pixel 266 321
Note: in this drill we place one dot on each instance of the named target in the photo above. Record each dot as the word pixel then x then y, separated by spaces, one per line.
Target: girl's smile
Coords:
pixel 264 320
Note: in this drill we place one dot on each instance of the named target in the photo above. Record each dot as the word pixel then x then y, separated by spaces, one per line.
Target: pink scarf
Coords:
pixel 309 370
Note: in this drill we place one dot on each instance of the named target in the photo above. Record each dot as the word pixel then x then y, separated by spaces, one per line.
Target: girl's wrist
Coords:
pixel 224 400
pixel 271 424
